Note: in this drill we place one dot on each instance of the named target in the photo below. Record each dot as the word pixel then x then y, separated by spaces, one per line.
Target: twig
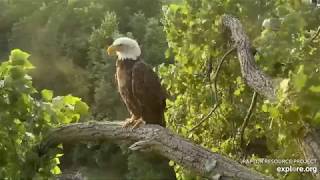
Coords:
pixel 216 73
pixel 208 76
pixel 209 68
pixel 247 117
pixel 312 38
pixel 315 35
pixel 215 79
pixel 206 117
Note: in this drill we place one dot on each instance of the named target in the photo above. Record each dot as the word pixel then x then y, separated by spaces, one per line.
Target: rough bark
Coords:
pixel 254 77
pixel 310 146
pixel 263 85
pixel 74 175
pixel 159 140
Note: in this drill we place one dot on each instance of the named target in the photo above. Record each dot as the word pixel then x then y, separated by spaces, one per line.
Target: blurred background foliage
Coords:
pixel 184 41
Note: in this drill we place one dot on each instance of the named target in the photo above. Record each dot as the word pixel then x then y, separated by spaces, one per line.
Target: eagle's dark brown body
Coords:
pixel 141 91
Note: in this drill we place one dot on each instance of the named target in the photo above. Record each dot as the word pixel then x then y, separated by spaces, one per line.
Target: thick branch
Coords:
pixel 310 145
pixel 157 139
pixel 254 77
pixel 263 85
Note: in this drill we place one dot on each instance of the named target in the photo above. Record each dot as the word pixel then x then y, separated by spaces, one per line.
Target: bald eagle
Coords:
pixel 138 84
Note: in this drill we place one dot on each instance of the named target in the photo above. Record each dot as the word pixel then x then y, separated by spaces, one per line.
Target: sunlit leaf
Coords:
pixel 55 170
pixel 18 57
pixel 315 89
pixel 300 79
pixel 47 95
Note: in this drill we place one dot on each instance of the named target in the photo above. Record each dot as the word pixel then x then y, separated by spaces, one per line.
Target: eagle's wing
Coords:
pixel 115 81
pixel 147 89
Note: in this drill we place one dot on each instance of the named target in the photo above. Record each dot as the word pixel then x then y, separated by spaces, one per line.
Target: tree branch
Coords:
pixel 74 175
pixel 316 34
pixel 157 139
pixel 215 89
pixel 310 145
pixel 254 77
pixel 247 118
pixel 216 72
pixel 205 118
pixel 263 85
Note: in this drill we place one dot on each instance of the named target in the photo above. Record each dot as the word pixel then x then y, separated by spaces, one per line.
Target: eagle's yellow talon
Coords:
pixel 137 123
pixel 128 122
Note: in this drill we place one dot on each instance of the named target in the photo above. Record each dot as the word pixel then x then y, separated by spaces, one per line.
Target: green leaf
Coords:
pixel 284 85
pixel 47 95
pixel 315 89
pixel 18 57
pixel 81 108
pixel 284 89
pixel 55 170
pixel 264 108
pixel 300 79
pixel 70 99
pixel 171 163
pixel 17 72
pixel 237 92
pixel 317 118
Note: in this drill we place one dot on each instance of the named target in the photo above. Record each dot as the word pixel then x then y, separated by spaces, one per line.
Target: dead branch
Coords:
pixel 159 140
pixel 253 76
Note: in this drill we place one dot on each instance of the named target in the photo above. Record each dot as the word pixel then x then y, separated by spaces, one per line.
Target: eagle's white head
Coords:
pixel 125 48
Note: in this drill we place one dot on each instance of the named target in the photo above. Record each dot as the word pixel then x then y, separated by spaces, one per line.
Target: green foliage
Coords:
pixel 195 38
pixel 26 116
pixel 147 168
pixel 67 40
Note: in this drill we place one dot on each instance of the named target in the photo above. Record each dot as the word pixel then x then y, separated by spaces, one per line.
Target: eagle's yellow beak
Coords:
pixel 112 50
